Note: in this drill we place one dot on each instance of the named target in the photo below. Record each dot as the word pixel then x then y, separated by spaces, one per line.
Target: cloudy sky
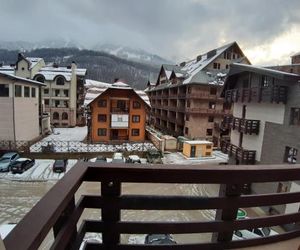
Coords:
pixel 267 30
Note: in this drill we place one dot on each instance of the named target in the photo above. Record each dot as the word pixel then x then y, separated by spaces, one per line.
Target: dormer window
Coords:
pixel 60 81
pixel 40 79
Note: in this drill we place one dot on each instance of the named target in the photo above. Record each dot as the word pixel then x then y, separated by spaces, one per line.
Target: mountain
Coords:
pixel 137 55
pixel 101 66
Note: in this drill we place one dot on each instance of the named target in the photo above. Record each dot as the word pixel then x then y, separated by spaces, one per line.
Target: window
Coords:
pixel 56 103
pixel 186 130
pixel 60 81
pixel 135 118
pixel 187 117
pixel 33 92
pixel 56 93
pixel 217 65
pixel 18 91
pixel 265 82
pixel 189 90
pixel 102 103
pixel 295 116
pixel 281 188
pixel 40 79
pixel 121 105
pixel 211 105
pixel 209 132
pixel 64 116
pixel 26 91
pixel 46 91
pixel 135 132
pixel 4 90
pixel 55 116
pixel 47 102
pixel 101 131
pixel 227 66
pixel 213 91
pixel 136 105
pixel 188 103
pixel 290 155
pixel 208 146
pixel 66 93
pixel 210 119
pixel 101 118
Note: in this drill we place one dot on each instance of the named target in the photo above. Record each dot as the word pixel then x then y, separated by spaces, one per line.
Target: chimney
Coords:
pixel 20 56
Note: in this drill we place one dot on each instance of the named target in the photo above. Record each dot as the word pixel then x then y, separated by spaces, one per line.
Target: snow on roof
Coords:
pixel 50 75
pixel 297 54
pixel 21 79
pixel 193 67
pixel 120 85
pixel 7 69
pixel 62 70
pixel 266 70
pixel 197 142
pixel 33 61
pixel 95 88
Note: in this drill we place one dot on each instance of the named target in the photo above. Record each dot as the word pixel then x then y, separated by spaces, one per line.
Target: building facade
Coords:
pixel 186 98
pixel 117 113
pixel 63 95
pixel 265 126
pixel 19 108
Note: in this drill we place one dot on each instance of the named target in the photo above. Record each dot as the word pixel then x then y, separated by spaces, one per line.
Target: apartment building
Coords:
pixel 19 108
pixel 266 119
pixel 63 95
pixel 117 112
pixel 186 98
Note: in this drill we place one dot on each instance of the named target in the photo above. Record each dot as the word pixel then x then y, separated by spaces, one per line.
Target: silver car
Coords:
pixel 7 160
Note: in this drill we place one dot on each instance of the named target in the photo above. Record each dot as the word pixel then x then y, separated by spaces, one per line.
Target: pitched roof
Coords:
pixel 95 89
pixel 13 77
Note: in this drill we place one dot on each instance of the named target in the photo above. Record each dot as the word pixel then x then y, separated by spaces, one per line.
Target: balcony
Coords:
pixel 245 126
pixel 275 94
pixel 208 111
pixel 244 156
pixel 118 110
pixel 61 208
pixel 203 96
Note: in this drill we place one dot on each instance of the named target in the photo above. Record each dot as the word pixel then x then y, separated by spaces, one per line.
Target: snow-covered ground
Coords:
pixel 67 134
pixel 70 140
pixel 41 171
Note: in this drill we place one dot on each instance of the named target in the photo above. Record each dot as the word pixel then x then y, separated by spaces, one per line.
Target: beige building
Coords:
pixel 63 95
pixel 186 98
pixel 19 108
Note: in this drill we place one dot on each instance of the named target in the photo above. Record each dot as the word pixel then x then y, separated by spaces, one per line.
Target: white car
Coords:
pixel 118 158
pixel 254 233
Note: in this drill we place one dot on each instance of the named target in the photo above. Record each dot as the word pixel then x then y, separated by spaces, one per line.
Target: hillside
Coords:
pixel 101 66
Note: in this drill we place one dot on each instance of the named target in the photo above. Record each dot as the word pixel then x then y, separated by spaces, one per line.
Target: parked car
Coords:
pixel 159 239
pixel 7 160
pixel 154 156
pixel 133 159
pixel 118 158
pixel 21 165
pixel 101 159
pixel 255 233
pixel 60 166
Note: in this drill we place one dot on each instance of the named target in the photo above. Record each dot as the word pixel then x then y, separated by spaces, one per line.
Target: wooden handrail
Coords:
pixel 57 209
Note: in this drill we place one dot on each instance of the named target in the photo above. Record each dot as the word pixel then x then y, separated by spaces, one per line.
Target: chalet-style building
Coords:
pixel 63 95
pixel 117 112
pixel 21 118
pixel 186 98
pixel 265 126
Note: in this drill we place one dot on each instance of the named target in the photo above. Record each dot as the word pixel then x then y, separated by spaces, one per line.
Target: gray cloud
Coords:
pixel 171 28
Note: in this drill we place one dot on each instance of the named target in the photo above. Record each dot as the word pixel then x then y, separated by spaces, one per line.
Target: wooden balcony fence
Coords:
pixel 272 94
pixel 246 126
pixel 59 210
pixel 244 156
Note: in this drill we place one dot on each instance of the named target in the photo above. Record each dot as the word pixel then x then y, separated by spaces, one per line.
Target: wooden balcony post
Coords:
pixel 110 213
pixel 63 219
pixel 230 191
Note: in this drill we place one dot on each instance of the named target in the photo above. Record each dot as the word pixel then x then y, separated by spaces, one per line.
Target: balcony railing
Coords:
pixel 208 111
pixel 272 94
pixel 60 209
pixel 245 126
pixel 244 156
pixel 119 138
pixel 118 110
